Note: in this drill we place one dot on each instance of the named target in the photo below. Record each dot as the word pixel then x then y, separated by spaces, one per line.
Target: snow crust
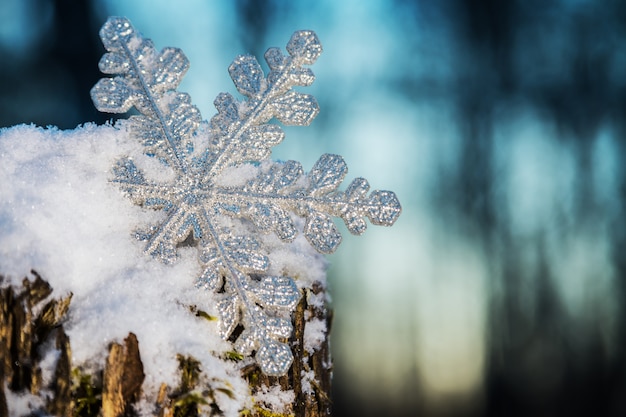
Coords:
pixel 60 216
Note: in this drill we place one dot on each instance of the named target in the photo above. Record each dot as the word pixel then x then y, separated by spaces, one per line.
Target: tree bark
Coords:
pixel 123 376
pixel 306 404
pixel 115 391
pixel 22 337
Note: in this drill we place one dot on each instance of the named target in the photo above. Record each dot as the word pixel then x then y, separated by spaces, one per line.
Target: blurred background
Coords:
pixel 501 125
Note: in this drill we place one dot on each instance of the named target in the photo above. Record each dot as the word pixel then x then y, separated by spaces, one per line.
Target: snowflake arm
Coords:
pixel 147 80
pixel 268 198
pixel 240 129
pixel 197 202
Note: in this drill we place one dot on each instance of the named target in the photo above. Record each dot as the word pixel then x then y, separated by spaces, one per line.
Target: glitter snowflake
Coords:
pixel 198 199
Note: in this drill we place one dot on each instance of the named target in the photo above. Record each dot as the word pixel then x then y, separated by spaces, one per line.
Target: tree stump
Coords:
pixel 307 404
pixel 116 390
pixel 22 337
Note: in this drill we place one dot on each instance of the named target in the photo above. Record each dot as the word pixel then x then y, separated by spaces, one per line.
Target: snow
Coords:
pixel 60 216
pixel 314 335
pixel 307 378
pixel 22 404
pixel 274 398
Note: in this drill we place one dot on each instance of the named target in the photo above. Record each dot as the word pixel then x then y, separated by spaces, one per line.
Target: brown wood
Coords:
pixel 22 337
pixel 123 376
pixel 317 404
pixel 61 403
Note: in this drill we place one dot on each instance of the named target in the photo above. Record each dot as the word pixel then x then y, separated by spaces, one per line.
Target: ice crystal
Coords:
pixel 198 199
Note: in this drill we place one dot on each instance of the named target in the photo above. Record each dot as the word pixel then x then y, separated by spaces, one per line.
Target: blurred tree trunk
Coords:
pixel 30 324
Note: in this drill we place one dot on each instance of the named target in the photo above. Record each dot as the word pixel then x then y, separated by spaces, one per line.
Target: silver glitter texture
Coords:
pixel 224 221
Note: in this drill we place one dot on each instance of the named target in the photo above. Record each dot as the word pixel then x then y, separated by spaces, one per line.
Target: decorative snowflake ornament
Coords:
pixel 201 206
